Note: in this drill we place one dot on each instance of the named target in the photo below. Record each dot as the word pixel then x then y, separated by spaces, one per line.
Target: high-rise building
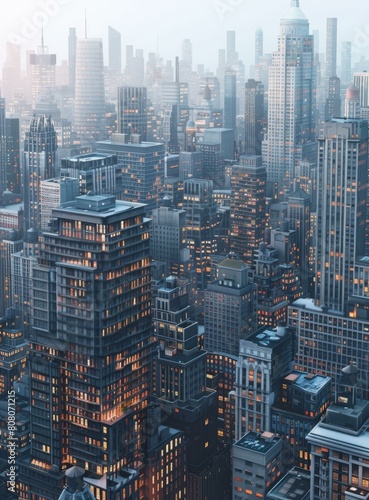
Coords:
pixel 132 111
pixel 40 148
pixel 346 67
pixel 10 242
pixel 115 51
pixel 91 349
pixel 142 168
pixel 230 100
pixel 333 102
pixel 43 72
pixel 232 55
pixel 343 163
pixel 254 117
pixel 361 81
pixel 11 71
pixel 13 159
pixel 291 100
pixel 72 54
pixel 264 360
pixel 89 104
pixel 3 156
pixel 259 45
pixel 229 308
pixel 352 103
pixel 54 193
pixel 248 220
pixel 331 48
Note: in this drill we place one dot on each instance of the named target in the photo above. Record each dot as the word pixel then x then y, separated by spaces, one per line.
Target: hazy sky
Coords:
pixel 205 22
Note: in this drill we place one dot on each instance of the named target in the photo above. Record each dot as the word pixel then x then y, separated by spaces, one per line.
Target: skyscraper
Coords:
pixel 91 348
pixel 230 101
pixel 89 112
pixel 248 180
pixel 333 103
pixel 115 51
pixel 254 117
pixel 72 54
pixel 331 48
pixel 342 188
pixel 13 161
pixel 40 148
pixel 43 72
pixel 3 159
pixel 352 102
pixel 346 69
pixel 259 45
pixel 11 72
pixel 132 111
pixel 291 101
pixel 232 55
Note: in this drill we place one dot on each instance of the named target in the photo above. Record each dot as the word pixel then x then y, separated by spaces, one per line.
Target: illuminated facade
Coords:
pixel 42 73
pixel 53 193
pixel 13 355
pixel 90 360
pixel 40 148
pixel 341 214
pixel 264 359
pixel 132 111
pixel 248 219
pixel 291 100
pixel 254 117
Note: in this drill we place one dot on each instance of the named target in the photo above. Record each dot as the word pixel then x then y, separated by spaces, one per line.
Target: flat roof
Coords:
pixel 11 208
pixel 267 337
pixel 311 382
pixel 259 443
pixel 295 485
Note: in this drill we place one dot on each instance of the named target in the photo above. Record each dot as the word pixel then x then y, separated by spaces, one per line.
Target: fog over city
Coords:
pixel 164 23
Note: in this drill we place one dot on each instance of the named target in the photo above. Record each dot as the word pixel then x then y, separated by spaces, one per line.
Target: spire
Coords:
pixel 42 39
pixel 85 23
pixel 295 3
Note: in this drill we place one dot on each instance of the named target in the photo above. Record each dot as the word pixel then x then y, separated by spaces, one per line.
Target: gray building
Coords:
pixel 53 193
pixel 256 465
pixel 132 111
pixel 295 484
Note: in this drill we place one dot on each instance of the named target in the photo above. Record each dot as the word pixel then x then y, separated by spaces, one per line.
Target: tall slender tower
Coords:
pixel 42 71
pixel 259 45
pixel 39 163
pixel 342 188
pixel 331 50
pixel 230 100
pixel 72 53
pixel 115 51
pixel 346 57
pixel 132 111
pixel 254 116
pixel 89 113
pixel 291 120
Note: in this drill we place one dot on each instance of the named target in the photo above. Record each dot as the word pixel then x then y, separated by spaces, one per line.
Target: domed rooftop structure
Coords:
pixel 294 22
pixel 76 488
pixel 294 13
pixel 190 124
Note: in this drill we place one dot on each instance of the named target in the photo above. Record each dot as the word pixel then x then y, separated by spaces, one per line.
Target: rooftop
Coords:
pixel 294 12
pixel 308 382
pixel 267 337
pixel 295 485
pixel 259 443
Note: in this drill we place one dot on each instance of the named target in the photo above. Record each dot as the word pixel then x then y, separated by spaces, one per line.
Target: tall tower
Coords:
pixel 331 49
pixel 333 103
pixel 254 117
pixel 230 100
pixel 231 48
pixel 13 161
pixel 132 111
pixel 89 113
pixel 42 71
pixel 259 45
pixel 291 121
pixel 39 163
pixel 115 51
pixel 72 53
pixel 248 182
pixel 90 347
pixel 342 187
pixel 346 69
pixel 2 148
pixel 352 102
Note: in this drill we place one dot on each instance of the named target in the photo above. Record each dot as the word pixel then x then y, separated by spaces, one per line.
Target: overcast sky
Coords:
pixel 205 22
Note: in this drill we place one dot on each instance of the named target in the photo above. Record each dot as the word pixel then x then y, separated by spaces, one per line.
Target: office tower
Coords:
pixel 11 71
pixel 132 111
pixel 291 114
pixel 54 193
pixel 168 238
pixel 10 242
pixel 185 64
pixel 256 464
pixel 201 220
pixel 213 163
pixel 134 70
pixel 299 211
pixel 343 163
pixel 97 173
pixel 340 445
pixel 352 103
pixel 142 168
pixel 42 71
pixel 271 299
pixel 232 55
pixel 254 117
pixel 230 101
pixel 333 102
pixel 13 166
pixel 72 54
pixel 248 181
pixel 316 35
pixel 264 359
pixel 331 48
pixel 89 104
pixel 39 163
pixel 229 308
pixel 346 68
pixel 301 404
pixel 190 164
pixel 3 156
pixel 115 51
pixel 170 129
pixel 91 349
pixel 295 483
pixel 361 81
pixel 221 136
pixel 259 45
pixel 206 115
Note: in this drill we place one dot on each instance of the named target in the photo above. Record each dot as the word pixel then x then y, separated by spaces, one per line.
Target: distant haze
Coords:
pixel 165 23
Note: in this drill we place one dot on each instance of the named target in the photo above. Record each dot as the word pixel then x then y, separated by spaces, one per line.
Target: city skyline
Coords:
pixel 22 23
